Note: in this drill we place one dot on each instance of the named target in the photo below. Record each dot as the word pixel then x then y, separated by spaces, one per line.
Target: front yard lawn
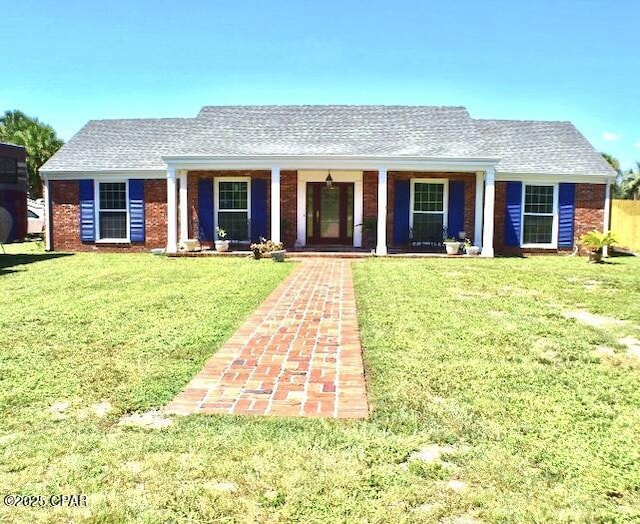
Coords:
pixel 474 355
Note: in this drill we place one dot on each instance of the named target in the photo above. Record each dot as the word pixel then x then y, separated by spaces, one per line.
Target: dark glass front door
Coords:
pixel 330 213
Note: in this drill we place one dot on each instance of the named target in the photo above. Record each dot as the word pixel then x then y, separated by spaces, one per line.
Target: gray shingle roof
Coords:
pixel 389 131
pixel 528 146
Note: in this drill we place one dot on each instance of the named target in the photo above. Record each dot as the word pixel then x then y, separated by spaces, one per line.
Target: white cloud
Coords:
pixel 611 137
pixel 637 144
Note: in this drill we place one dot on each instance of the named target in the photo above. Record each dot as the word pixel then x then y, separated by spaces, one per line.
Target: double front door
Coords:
pixel 330 213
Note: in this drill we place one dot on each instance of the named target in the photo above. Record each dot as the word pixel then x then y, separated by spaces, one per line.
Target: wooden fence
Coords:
pixel 625 223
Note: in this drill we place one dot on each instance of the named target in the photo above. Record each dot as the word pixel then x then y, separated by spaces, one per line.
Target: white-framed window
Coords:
pixel 540 215
pixel 112 211
pixel 233 206
pixel 428 210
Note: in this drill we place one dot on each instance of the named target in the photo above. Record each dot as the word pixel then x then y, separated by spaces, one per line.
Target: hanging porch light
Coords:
pixel 329 180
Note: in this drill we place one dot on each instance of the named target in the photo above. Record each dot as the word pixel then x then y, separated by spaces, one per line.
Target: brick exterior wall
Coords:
pixel 288 207
pixel 469 197
pixel 589 214
pixel 589 211
pixel 192 195
pixel 65 215
pixel 65 209
pixel 369 206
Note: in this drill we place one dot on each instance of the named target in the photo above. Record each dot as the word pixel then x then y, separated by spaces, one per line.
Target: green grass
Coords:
pixel 471 353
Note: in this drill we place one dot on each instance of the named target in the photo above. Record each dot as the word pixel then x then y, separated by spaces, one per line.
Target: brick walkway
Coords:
pixel 298 354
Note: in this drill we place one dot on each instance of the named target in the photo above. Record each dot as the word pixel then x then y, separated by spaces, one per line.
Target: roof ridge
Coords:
pixel 523 121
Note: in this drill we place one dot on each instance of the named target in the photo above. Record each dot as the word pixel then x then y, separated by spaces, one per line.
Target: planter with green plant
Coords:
pixel 470 249
pixel 595 241
pixel 268 247
pixel 222 244
pixel 369 231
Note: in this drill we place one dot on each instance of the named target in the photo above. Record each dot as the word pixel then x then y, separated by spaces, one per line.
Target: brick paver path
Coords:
pixel 298 354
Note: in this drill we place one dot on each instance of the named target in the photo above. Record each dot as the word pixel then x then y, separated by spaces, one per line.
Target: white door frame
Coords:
pixel 320 175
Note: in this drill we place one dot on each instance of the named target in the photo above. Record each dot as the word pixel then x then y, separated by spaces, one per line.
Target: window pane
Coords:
pixel 236 224
pixel 113 224
pixel 113 195
pixel 428 197
pixel 233 195
pixel 538 199
pixel 427 228
pixel 537 229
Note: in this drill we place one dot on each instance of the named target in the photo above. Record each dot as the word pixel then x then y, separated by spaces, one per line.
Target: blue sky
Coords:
pixel 71 61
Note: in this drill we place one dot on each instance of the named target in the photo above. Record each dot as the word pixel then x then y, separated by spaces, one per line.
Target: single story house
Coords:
pixel 375 177
pixel 13 192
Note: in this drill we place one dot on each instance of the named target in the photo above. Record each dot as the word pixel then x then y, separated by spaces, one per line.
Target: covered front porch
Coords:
pixel 331 206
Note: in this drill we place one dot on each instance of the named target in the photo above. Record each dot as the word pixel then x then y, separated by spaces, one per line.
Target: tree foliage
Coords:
pixel 627 182
pixel 38 138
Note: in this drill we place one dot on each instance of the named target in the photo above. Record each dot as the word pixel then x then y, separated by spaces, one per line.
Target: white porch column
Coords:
pixel 477 233
pixel 381 245
pixel 489 208
pixel 172 212
pixel 607 215
pixel 184 208
pixel 275 204
pixel 47 216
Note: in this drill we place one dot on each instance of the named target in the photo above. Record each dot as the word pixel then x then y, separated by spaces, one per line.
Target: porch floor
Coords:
pixel 299 354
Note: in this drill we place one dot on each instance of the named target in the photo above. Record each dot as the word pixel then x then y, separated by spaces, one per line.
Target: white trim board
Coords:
pixel 106 176
pixel 551 179
pixel 360 163
pixel 338 176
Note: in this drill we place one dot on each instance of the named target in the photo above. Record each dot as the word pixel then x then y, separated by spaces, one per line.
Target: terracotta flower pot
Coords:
pixel 595 256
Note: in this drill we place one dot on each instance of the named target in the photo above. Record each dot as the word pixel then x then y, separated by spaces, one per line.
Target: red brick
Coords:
pixel 65 213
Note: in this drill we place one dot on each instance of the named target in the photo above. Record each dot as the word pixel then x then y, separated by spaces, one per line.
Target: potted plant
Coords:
pixel 470 249
pixel 369 230
pixel 268 247
pixel 221 244
pixel 595 241
pixel 452 245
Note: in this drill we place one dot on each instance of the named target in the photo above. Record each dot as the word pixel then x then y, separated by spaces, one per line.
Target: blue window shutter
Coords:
pixel 205 208
pixel 136 210
pixel 401 201
pixel 513 214
pixel 566 206
pixel 258 209
pixel 455 213
pixel 87 211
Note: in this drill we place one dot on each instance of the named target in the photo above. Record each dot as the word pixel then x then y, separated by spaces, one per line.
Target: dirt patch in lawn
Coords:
pixel 154 419
pixel 633 346
pixel 597 321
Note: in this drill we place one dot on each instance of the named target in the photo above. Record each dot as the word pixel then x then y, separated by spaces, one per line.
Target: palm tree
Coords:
pixel 633 183
pixel 38 138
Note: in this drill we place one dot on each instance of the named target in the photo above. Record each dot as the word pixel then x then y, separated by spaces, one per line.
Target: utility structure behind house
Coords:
pixel 377 177
pixel 13 193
